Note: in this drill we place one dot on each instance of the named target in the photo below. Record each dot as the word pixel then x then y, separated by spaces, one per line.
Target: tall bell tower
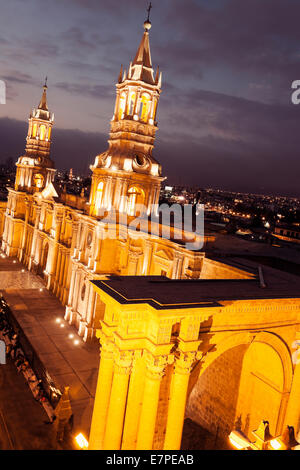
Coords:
pixel 35 169
pixel 127 174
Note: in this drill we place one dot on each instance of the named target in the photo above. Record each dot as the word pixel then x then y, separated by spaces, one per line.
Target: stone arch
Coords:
pixel 145 106
pixel 245 379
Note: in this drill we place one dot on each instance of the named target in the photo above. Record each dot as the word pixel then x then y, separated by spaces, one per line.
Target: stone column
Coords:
pixel 116 105
pixel 134 403
pixel 117 403
pixel 177 266
pixel 292 417
pixel 102 396
pixel 177 401
pixel 35 233
pixel 21 255
pixel 155 370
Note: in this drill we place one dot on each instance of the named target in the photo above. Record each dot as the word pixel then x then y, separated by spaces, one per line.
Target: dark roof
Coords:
pixel 161 292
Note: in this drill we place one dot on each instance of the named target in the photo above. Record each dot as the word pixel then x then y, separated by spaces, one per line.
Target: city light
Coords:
pixel 81 441
pixel 275 444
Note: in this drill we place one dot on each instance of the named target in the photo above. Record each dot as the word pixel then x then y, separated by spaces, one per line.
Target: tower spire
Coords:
pixel 142 63
pixel 43 103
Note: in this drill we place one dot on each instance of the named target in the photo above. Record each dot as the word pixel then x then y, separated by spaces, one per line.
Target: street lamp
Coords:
pixel 81 441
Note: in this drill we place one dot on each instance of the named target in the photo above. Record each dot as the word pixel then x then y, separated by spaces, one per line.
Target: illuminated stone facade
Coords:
pixel 172 350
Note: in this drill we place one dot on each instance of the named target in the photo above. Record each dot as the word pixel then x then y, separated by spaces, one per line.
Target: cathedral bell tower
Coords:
pixel 35 169
pixel 127 174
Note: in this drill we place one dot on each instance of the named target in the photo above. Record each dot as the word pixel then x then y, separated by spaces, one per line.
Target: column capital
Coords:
pixel 184 362
pixel 107 350
pixel 107 347
pixel 156 365
pixel 123 361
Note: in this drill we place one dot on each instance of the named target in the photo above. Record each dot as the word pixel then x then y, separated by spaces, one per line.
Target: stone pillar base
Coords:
pixel 89 333
pixel 81 328
pixel 34 267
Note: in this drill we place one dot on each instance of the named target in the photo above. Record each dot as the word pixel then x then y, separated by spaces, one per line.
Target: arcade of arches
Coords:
pixel 183 375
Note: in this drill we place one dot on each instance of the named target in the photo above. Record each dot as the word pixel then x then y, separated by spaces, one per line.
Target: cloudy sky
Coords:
pixel 226 119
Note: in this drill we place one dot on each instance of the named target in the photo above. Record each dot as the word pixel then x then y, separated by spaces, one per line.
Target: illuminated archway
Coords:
pixel 99 195
pixel 145 107
pixel 34 130
pixel 135 196
pixel 38 180
pixel 43 260
pixel 244 380
pixel 131 103
pixel 122 104
pixel 42 132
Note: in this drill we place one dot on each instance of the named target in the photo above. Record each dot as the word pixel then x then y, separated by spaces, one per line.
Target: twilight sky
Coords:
pixel 226 119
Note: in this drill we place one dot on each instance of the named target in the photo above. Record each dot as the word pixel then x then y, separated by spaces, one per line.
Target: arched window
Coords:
pixel 122 105
pixel 145 107
pixel 42 132
pixel 34 129
pixel 155 109
pixel 131 103
pixel 38 180
pixel 99 194
pixel 135 196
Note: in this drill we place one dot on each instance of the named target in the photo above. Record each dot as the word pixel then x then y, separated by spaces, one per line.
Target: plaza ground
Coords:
pixel 67 364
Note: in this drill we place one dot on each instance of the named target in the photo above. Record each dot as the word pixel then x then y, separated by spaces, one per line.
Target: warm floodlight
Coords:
pixel 275 444
pixel 81 441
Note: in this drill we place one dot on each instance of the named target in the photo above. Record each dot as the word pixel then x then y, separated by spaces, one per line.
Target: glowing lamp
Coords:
pixel 81 441
pixel 275 444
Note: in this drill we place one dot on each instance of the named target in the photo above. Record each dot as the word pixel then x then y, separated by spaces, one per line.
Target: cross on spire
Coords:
pixel 45 84
pixel 148 10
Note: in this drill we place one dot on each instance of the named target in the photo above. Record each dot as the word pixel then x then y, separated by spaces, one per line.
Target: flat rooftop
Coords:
pixel 161 292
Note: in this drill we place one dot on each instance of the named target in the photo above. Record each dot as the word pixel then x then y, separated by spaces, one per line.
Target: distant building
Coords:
pixel 288 233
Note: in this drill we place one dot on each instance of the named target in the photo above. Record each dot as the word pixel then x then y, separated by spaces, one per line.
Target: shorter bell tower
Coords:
pixel 127 175
pixel 35 169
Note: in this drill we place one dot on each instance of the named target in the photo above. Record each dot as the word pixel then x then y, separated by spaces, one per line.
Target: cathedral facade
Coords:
pixel 67 239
